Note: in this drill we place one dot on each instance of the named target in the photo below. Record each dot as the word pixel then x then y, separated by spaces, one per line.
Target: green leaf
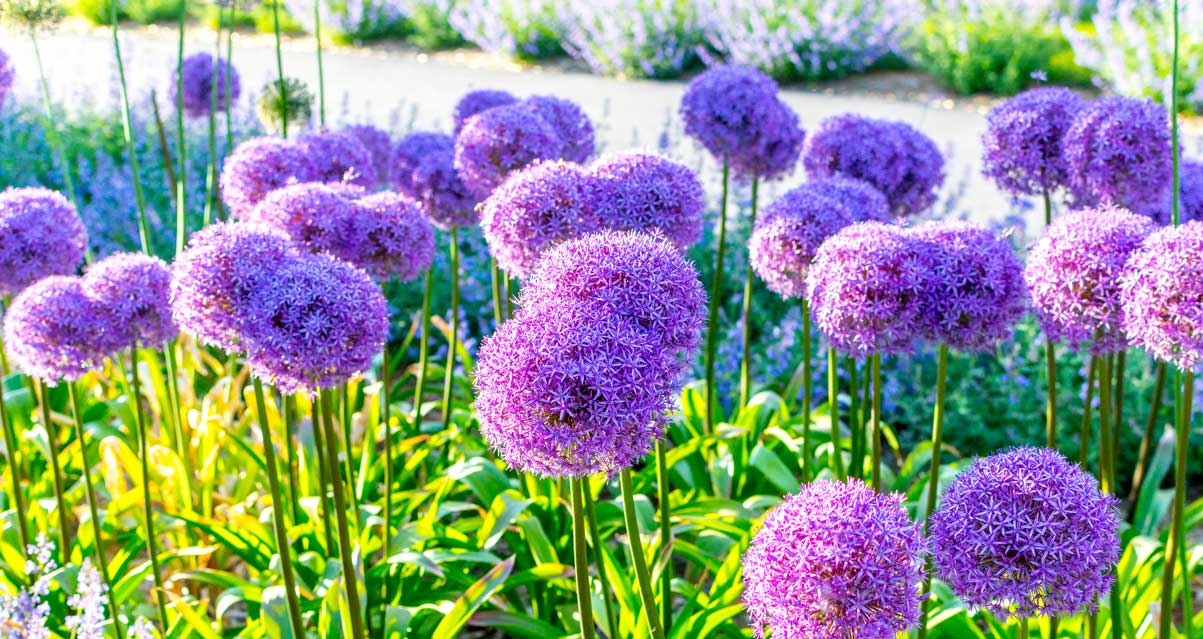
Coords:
pixel 472 599
pixel 274 616
pixel 505 510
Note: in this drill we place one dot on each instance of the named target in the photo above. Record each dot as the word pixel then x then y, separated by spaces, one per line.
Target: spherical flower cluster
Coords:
pixel 1021 149
pixel 214 278
pixel 536 208
pixel 288 104
pixel 499 141
pixel 205 84
pixel 1073 275
pixel 317 216
pixel 1026 533
pixel 569 122
pixel 423 167
pixel 864 289
pixel 649 192
pixel 1118 152
pixel 6 77
pixel 379 146
pixel 789 233
pixel 54 330
pixel 922 174
pixel 334 156
pixel 135 292
pixel 476 101
pixel 975 291
pixel 637 277
pixel 409 153
pixel 315 324
pixel 836 560
pixel 40 235
pixel 1190 196
pixel 394 237
pixel 726 108
pixel 257 167
pixel 1161 292
pixel 864 201
pixel 774 153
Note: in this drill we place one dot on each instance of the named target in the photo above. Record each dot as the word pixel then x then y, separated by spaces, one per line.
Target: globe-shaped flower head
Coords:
pixel 335 156
pixel 1073 275
pixel 495 143
pixel 922 175
pixel 570 123
pixel 536 208
pixel 423 168
pixel 975 291
pixel 6 76
pixel 649 192
pixel 205 83
pixel 861 199
pixel 864 289
pixel 836 560
pixel 394 237
pixel 726 109
pixel 55 331
pixel 1190 196
pixel 409 153
pixel 1021 148
pixel 40 235
pixel 476 101
pixel 1118 152
pixel 379 146
pixel 1162 295
pixel 775 152
pixel 257 167
pixel 135 292
pixel 788 234
pixel 1026 533
pixel 316 216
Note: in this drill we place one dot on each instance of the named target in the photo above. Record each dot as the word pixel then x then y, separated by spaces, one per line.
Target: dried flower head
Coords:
pixel 334 156
pixel 789 233
pixel 476 101
pixel 1118 152
pixel 31 15
pixel 1021 148
pixel 135 292
pixel 1161 291
pixel 40 235
pixel 496 142
pixel 570 123
pixel 54 330
pixel 649 192
pixel 289 104
pixel 205 82
pixel 257 167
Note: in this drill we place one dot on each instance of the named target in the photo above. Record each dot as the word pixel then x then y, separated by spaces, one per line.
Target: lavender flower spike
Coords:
pixel 40 235
pixel 1161 291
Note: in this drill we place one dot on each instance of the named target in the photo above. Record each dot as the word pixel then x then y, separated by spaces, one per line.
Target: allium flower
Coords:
pixel 864 289
pixel 292 106
pixel 317 216
pixel 476 101
pixel 395 238
pixel 569 122
pixel 40 235
pixel 409 153
pixel 975 290
pixel 1073 274
pixel 836 560
pixel 572 390
pixel 315 324
pixel 1021 148
pixel 1026 533
pixel 649 192
pixel 637 277
pixel 379 146
pixel 135 292
pixel 774 153
pixel 726 109
pixel 1190 196
pixel 90 602
pixel 922 175
pixel 536 208
pixel 499 141
pixel 789 233
pixel 862 200
pixel 334 156
pixel 6 77
pixel 423 167
pixel 257 167
pixel 200 76
pixel 1118 152
pixel 212 281
pixel 1161 292
pixel 54 331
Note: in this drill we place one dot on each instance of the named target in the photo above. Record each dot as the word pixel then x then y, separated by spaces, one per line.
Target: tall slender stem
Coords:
pixel 1146 442
pixel 876 421
pixel 64 521
pixel 181 174
pixel 933 481
pixel 229 103
pixel 453 339
pixel 14 470
pixel 1106 471
pixel 833 408
pixel 52 135
pixel 323 473
pixel 345 419
pixel 806 392
pixel 183 447
pixel 1023 632
pixel 290 452
pixel 386 416
pixel 147 507
pixel 666 536
pixel 856 422
pixel 350 575
pixel 127 128
pixel 495 278
pixel 638 559
pixel 423 351
pixel 278 524
pixel 598 545
pixel 1087 407
pixel 716 301
pixel 580 560
pixel 211 176
pixel 280 69
pixel 1118 371
pixel 321 76
pixel 1050 404
pixel 745 364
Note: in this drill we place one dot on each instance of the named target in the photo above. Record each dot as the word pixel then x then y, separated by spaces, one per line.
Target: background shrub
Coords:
pixel 633 38
pixel 523 29
pixel 350 20
pixel 430 25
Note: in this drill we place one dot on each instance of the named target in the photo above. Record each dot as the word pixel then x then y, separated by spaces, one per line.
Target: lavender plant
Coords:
pixel 633 38
pixel 523 29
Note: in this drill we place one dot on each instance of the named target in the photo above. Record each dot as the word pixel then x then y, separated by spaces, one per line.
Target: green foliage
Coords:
pixel 429 27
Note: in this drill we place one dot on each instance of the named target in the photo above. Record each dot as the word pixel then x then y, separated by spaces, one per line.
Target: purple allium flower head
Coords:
pixel 789 233
pixel 378 144
pixel 317 216
pixel 40 235
pixel 1021 148
pixel 836 560
pixel 1073 275
pixel 863 287
pixel 864 202
pixel 571 390
pixel 1190 196
pixel 495 143
pixel 395 238
pixel 536 208
pixel 649 192
pixel 922 175
pixel 335 156
pixel 975 290
pixel 640 278
pixel 774 153
pixel 213 279
pixel 54 330
pixel 726 109
pixel 201 74
pixel 1162 295
pixel 476 101
pixel 1118 152
pixel 6 76
pixel 409 153
pixel 1026 533
pixel 135 292
pixel 257 167
pixel 424 169
pixel 570 123
pixel 315 324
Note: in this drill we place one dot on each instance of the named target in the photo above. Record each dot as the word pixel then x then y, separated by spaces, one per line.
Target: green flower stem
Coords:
pixel 280 69
pixel 876 421
pixel 1118 372
pixel 323 472
pixel 423 352
pixel 290 448
pixel 181 174
pixel 344 394
pixel 1084 438
pixel 1146 442
pixel 64 522
pixel 52 135
pixel 386 375
pixel 350 575
pixel 453 339
pixel 1188 394
pixel 833 408
pixel 14 469
pixel 716 297
pixel 666 536
pixel 278 524
pixel 127 128
pixel 598 544
pixel 580 560
pixel 1050 358
pixel 638 559
pixel 211 175
pixel 806 392
pixel 745 364
pixel 147 507
pixel 496 281
pixel 229 80
pixel 856 420
pixel 321 75
pixel 933 481
pixel 1107 470
pixel 102 562
pixel 1023 629
pixel 179 426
